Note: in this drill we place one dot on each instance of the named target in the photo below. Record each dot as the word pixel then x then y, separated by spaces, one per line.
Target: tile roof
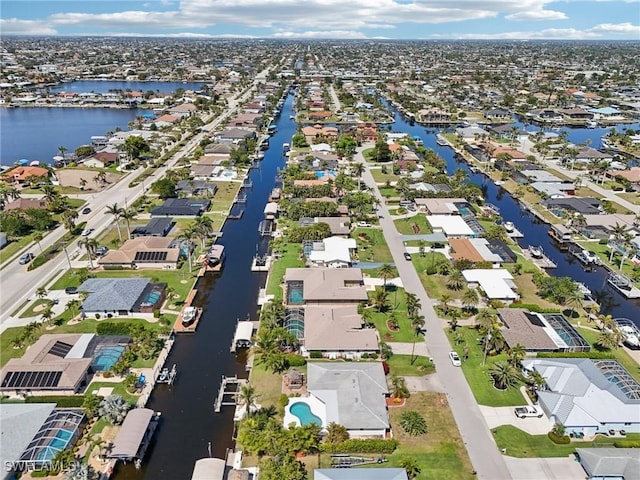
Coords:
pixel 110 294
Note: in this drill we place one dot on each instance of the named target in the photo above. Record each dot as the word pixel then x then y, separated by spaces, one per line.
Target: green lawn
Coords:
pixel 372 246
pixel 380 177
pixel 478 375
pixel 523 445
pixel 619 353
pixel 118 389
pixel 401 364
pixel 223 198
pixel 31 311
pixel 14 247
pixel 268 385
pixel 397 310
pixel 405 226
pixel 290 259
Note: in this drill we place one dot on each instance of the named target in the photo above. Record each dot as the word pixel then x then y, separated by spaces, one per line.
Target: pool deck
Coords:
pixel 179 327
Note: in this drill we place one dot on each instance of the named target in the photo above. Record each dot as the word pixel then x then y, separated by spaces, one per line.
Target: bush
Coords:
pixel 284 400
pixel 315 354
pixel 295 360
pixel 591 354
pixel 98 316
pixel 62 401
pixel 36 262
pixel 627 444
pixel 532 307
pixel 559 439
pixel 156 313
pixel 356 445
pixel 114 267
pixel 113 328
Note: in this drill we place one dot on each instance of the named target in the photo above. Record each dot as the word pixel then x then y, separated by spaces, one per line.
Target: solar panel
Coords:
pixel 60 349
pixel 150 257
pixel 42 379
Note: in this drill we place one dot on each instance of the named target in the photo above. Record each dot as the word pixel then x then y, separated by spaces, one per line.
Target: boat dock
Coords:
pixel 515 233
pixel 226 391
pixel 624 285
pixel 167 376
pixel 261 264
pixel 242 337
pixel 540 262
pixel 179 327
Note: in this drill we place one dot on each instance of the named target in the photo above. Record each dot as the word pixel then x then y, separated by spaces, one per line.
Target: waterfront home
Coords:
pixel 332 252
pixel 538 332
pixel 183 110
pixel 166 120
pixel 181 207
pixel 441 206
pixel 588 396
pixel 367 131
pixel 310 286
pixel 474 132
pixel 570 206
pixel 603 226
pixel 204 172
pixel 536 175
pixel 609 463
pixel 337 331
pixel 218 149
pixel 121 297
pixel 478 250
pixel 60 364
pixel 247 120
pixel 450 225
pixel 215 159
pixel 576 114
pixel 33 434
pixel 497 115
pixel 631 175
pixel 196 188
pixel 356 474
pixel 316 133
pixel 22 174
pixel 101 159
pixel 156 252
pixel 350 394
pixel 157 227
pixel 496 283
pixel 337 225
pixel 235 135
pixel 553 190
pixel 587 155
pixel 607 115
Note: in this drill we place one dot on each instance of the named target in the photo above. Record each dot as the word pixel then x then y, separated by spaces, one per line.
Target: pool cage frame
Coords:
pixel 627 384
pixel 67 420
pixel 559 323
pixel 294 322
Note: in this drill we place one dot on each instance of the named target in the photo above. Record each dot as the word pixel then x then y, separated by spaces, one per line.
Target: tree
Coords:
pixel 37 237
pixel 127 216
pixel 164 188
pixel 411 467
pixel 413 304
pixel 399 387
pixel 445 298
pixel 281 467
pixel 62 460
pixel 380 299
pixel 575 300
pixel 62 150
pixel 386 271
pixel 422 245
pixel 358 169
pixel 116 211
pixel 247 396
pixel 80 471
pixel 134 145
pixel 417 322
pixel 536 380
pixel 470 298
pixel 91 404
pixel 516 354
pixel 455 280
pixel 607 340
pixel 336 433
pixel 41 292
pixel 69 218
pixel 90 245
pixel 47 315
pixel 413 423
pixel 504 375
pixel 485 319
pixel 113 408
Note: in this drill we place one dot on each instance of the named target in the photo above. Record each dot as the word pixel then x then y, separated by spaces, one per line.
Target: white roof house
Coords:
pixel 450 225
pixel 588 396
pixel 497 283
pixel 334 252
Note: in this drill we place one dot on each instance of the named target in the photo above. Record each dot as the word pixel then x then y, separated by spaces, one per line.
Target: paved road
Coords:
pixel 18 284
pixel 485 457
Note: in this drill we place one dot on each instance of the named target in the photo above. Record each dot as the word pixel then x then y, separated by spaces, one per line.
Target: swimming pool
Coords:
pixel 465 211
pixel 153 297
pixel 295 296
pixel 106 357
pixel 322 173
pixel 304 414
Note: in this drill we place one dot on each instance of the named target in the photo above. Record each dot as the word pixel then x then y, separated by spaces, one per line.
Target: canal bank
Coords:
pixel 535 231
pixel 189 424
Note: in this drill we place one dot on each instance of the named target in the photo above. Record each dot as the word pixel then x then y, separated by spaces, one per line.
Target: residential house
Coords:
pixel 496 283
pixel 586 155
pixel 588 396
pixel 603 226
pixel 235 135
pixel 479 250
pixel 181 207
pixel 553 190
pixel 605 463
pixel 219 148
pixel 214 159
pixel 196 188
pixel 332 252
pixel 497 115
pixel 157 227
pixel 570 206
pixel 183 110
pixel 367 131
pixel 310 286
pixel 156 252
pixel 450 225
pixel 472 133
pixel 102 159
pixel 441 206
pixel 20 175
pixel 318 132
pixel 121 297
pixel 25 204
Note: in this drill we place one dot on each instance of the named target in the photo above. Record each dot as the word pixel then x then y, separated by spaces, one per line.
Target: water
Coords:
pixel 35 133
pixel 189 423
pixel 104 86
pixel 535 231
pixel 304 414
pixel 107 357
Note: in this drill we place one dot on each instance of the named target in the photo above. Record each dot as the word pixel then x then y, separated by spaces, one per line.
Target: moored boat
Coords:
pixel 630 332
pixel 189 315
pixel 536 251
pixel 509 226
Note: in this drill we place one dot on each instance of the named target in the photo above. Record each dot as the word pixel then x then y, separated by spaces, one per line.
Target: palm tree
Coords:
pixel 90 244
pixel 504 375
pixel 492 339
pixel 83 183
pixel 41 292
pixel 422 245
pixel 470 298
pixel 608 340
pixel 575 300
pixel 380 299
pixel 417 322
pixel 455 280
pixel 336 433
pixel 116 211
pixel 69 218
pixel 411 467
pixel 37 237
pixel 399 387
pixel 128 215
pixel 385 271
pixel 445 298
pixel 113 408
pixel 72 306
pixel 247 396
pixel 536 380
pixel 516 354
pixel 413 423
pixel 485 318
pixel 413 304
pixel 358 169
pixel 204 228
pixel 63 150
pixel 188 234
pixel 47 315
pixel 50 194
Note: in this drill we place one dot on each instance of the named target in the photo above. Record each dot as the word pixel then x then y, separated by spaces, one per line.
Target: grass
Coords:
pixel 372 246
pixel 620 354
pixel 440 453
pixel 118 389
pixel 478 375
pixel 14 247
pixel 223 199
pixel 404 226
pixel 31 311
pixel 399 312
pixel 269 385
pixel 630 197
pixel 527 290
pixel 523 445
pixel 382 178
pixel 290 258
pixel 401 365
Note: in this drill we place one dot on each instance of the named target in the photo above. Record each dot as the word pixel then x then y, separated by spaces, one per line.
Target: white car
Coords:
pixel 528 411
pixel 455 359
pixel 363 224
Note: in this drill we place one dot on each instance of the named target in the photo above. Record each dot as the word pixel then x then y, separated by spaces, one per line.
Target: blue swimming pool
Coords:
pixel 304 414
pixel 322 173
pixel 153 297
pixel 465 211
pixel 295 296
pixel 106 356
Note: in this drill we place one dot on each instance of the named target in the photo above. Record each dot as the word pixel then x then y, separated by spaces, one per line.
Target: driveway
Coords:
pixel 496 416
pixel 545 468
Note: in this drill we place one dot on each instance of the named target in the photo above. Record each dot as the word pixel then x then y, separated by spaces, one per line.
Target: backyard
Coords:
pixel 413 225
pixel 371 245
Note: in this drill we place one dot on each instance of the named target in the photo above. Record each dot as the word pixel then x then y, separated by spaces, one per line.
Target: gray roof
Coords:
pixel 329 284
pixel 110 294
pixel 610 462
pixel 131 433
pixel 360 474
pixel 156 226
pixel 354 394
pixel 19 423
pixel 209 469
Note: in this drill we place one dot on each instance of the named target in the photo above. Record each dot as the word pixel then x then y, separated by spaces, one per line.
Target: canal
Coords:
pixel 534 231
pixel 189 423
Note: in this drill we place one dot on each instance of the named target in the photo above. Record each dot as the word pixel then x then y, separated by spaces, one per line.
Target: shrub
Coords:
pixel 295 360
pixel 532 307
pixel 113 267
pixel 156 313
pixel 559 439
pixel 413 423
pixel 284 400
pixel 591 354
pixel 627 444
pixel 98 316
pixel 315 354
pixel 113 328
pixel 36 262
pixel 356 445
pixel 62 401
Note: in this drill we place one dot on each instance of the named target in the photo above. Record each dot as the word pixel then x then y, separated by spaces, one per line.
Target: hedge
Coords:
pixel 561 440
pixel 295 360
pixel 355 445
pixel 532 307
pixel 592 354
pixel 112 328
pixel 62 401
pixel 627 444
pixel 315 354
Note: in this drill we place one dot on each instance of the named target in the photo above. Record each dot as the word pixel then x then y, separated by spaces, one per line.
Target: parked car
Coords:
pixel 101 251
pixel 528 411
pixel 86 210
pixel 363 224
pixel 407 256
pixel 87 231
pixel 71 290
pixel 455 359
pixel 25 258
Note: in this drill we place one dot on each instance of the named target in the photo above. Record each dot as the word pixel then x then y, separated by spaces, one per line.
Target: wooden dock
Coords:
pixel 541 262
pixel 179 327
pixel 224 391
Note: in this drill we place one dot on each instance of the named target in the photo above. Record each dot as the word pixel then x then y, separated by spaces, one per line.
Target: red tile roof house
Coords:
pixel 19 175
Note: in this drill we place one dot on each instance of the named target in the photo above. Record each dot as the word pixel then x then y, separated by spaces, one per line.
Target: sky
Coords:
pixel 327 19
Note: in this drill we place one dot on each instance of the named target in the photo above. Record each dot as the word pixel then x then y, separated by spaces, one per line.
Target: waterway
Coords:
pixel 105 86
pixel 188 420
pixel 534 231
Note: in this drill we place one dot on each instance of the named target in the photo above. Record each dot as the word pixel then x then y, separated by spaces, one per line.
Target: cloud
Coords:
pixel 15 26
pixel 321 34
pixel 594 33
pixel 537 15
pixel 619 28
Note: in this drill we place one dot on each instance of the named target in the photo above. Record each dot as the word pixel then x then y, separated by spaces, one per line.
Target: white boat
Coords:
pixel 630 331
pixel 586 257
pixel 285 147
pixel 536 251
pixel 582 288
pixel 292 117
pixel 189 315
pixel 592 124
pixel 509 226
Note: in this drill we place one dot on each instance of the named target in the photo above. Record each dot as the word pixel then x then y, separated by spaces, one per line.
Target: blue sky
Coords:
pixel 392 19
